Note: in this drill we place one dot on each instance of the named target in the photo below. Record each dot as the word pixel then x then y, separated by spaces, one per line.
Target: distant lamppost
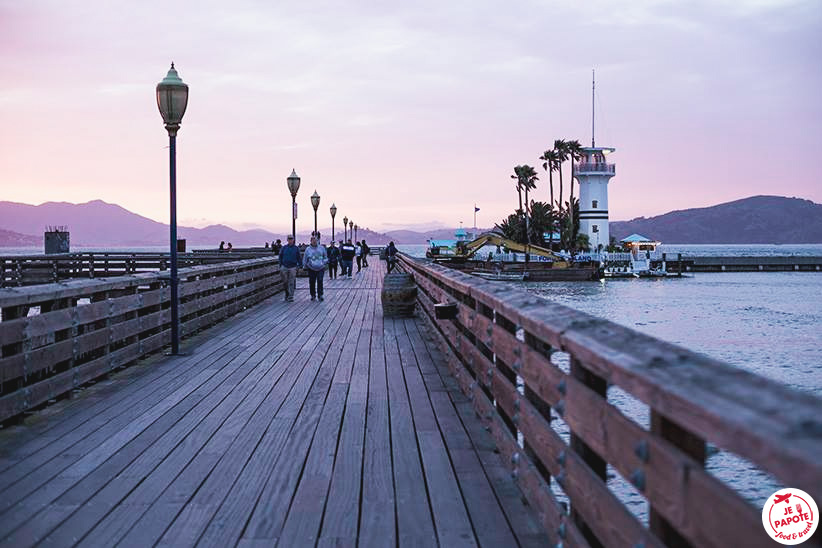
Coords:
pixel 172 99
pixel 293 182
pixel 345 229
pixel 315 203
pixel 350 228
pixel 333 214
pixel 355 232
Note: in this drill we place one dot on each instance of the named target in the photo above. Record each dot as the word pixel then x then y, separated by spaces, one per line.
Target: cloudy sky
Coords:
pixel 406 113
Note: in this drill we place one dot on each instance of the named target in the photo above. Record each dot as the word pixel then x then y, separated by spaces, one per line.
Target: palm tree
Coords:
pixel 542 221
pixel 574 150
pixel 519 185
pixel 550 164
pixel 513 227
pixel 526 180
pixel 550 159
pixel 561 149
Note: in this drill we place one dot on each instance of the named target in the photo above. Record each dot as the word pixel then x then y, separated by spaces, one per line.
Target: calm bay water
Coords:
pixel 767 323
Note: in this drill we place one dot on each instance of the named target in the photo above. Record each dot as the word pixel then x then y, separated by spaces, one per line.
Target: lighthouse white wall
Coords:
pixel 593 207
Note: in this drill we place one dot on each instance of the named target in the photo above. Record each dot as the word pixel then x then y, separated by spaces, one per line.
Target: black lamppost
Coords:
pixel 345 229
pixel 172 99
pixel 333 214
pixel 355 232
pixel 315 203
pixel 350 228
pixel 293 181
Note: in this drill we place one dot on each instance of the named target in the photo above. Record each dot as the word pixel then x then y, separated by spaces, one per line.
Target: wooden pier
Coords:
pixel 327 424
pixel 291 424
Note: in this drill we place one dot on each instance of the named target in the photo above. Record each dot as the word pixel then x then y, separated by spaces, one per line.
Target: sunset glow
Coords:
pixel 405 114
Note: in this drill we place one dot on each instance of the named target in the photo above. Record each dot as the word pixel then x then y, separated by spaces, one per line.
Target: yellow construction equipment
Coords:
pixel 466 250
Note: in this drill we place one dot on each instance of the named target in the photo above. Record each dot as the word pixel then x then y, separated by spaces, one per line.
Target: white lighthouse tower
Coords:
pixel 593 173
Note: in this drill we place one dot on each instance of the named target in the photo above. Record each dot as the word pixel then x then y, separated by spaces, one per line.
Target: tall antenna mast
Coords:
pixel 593 90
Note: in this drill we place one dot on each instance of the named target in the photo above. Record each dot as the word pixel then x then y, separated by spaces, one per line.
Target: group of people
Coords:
pixel 315 258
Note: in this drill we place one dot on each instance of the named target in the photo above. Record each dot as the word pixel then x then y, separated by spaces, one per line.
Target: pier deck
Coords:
pixel 295 424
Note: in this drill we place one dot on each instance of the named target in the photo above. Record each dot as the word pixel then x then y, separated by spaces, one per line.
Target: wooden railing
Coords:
pixel 56 337
pixel 503 347
pixel 23 270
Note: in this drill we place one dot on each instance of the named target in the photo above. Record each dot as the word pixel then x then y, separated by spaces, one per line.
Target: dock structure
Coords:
pixel 328 424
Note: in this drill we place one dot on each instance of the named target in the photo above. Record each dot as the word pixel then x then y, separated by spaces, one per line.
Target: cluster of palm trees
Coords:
pixel 534 218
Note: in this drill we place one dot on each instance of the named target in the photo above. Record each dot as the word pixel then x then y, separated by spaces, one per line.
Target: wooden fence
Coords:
pixel 23 270
pixel 500 349
pixel 56 337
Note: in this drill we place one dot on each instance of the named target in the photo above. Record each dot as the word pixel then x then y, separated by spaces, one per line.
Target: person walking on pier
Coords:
pixel 315 260
pixel 391 256
pixel 276 246
pixel 347 252
pixel 333 260
pixel 289 261
pixel 365 251
pixel 358 254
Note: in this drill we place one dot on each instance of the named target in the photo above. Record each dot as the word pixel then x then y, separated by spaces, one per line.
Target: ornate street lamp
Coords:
pixel 350 228
pixel 355 232
pixel 333 214
pixel 293 182
pixel 172 99
pixel 315 203
pixel 345 229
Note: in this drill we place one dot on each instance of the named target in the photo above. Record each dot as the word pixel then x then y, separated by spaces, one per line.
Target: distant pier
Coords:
pixel 783 263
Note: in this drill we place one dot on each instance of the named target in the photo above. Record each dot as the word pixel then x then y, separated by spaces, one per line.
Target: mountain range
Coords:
pixel 754 220
pixel 758 219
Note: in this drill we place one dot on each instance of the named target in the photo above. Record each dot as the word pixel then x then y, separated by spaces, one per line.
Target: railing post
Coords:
pixel 540 405
pixel 595 462
pixel 693 446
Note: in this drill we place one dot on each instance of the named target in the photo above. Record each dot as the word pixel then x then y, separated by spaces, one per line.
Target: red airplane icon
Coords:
pixel 782 498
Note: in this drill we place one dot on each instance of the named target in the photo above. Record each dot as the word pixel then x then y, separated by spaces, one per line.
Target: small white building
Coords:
pixel 593 173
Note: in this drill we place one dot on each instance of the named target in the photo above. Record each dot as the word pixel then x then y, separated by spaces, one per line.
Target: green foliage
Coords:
pixel 569 228
pixel 583 242
pixel 543 219
pixel 513 227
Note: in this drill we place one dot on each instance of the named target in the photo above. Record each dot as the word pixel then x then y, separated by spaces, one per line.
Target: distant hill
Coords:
pixel 760 219
pixel 98 223
pixel 755 220
pixel 15 239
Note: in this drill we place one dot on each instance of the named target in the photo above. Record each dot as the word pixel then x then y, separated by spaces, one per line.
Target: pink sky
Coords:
pixel 406 113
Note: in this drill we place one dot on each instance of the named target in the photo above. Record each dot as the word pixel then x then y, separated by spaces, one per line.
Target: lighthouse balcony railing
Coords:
pixel 595 167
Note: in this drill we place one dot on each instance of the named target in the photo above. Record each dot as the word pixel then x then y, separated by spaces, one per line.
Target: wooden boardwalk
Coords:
pixel 291 424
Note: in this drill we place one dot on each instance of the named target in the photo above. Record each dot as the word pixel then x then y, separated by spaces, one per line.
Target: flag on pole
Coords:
pixel 476 209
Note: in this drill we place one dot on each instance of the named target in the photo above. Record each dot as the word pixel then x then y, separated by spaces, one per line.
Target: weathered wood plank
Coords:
pixel 415 525
pixel 378 513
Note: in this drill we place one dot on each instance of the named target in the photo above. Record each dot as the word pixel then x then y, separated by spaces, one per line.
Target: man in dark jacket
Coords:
pixel 333 260
pixel 365 251
pixel 391 256
pixel 289 261
pixel 347 252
